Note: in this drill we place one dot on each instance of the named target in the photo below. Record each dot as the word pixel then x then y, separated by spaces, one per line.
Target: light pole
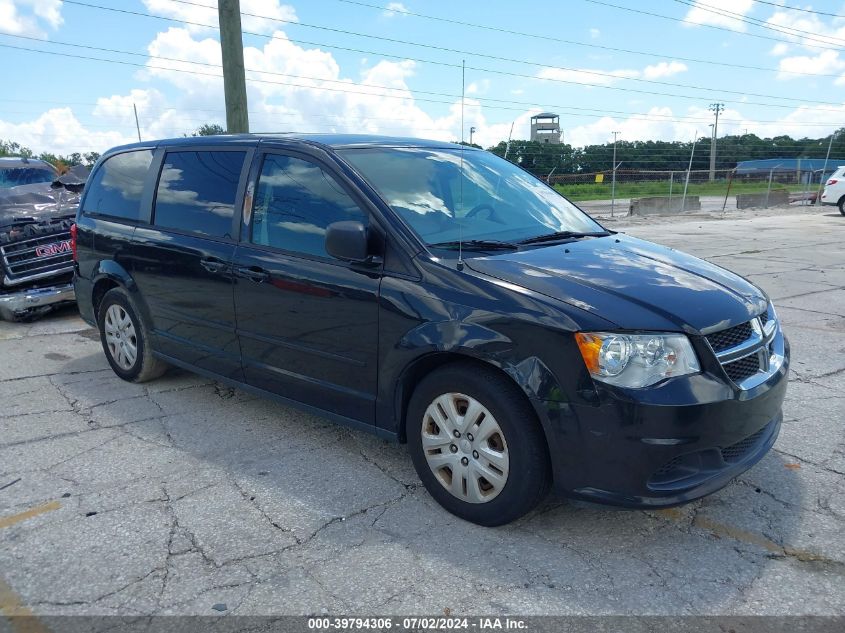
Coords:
pixel 471 132
pixel 613 185
pixel 824 169
pixel 715 107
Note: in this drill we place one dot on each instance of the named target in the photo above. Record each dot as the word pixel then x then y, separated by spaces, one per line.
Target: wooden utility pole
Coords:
pixel 234 78
pixel 715 107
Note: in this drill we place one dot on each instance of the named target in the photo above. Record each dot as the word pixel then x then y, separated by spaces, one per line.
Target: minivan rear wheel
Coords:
pixel 476 444
pixel 125 339
pixel 841 205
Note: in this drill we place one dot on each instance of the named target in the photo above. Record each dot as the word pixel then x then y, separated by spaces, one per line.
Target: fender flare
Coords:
pixel 111 271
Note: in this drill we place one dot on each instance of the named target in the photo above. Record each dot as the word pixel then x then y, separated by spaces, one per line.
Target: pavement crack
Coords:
pixel 386 472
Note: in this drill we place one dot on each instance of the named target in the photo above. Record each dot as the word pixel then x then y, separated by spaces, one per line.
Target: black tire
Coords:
pixel 529 471
pixel 144 366
pixel 841 205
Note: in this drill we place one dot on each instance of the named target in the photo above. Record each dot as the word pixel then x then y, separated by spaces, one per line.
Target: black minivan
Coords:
pixel 437 295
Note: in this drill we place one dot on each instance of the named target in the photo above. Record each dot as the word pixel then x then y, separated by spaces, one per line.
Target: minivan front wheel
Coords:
pixel 125 339
pixel 476 444
pixel 841 205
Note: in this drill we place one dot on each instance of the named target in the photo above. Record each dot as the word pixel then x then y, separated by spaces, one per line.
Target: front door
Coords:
pixel 307 323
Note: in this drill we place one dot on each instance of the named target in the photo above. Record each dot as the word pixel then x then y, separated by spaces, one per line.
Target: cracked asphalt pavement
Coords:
pixel 183 496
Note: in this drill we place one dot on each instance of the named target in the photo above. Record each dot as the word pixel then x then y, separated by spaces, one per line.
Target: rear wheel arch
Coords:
pixel 109 274
pixel 101 287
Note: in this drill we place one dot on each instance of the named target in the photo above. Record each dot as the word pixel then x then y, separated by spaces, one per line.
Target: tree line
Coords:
pixel 65 162
pixel 60 162
pixel 542 158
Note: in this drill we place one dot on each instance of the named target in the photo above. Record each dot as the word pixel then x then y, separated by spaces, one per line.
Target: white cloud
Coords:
pixel 393 9
pixel 29 17
pixel 720 13
pixel 664 69
pixel 271 11
pixel 779 49
pixel 825 63
pixel 291 88
pixel 306 90
pixel 478 87
pixel 815 32
pixel 695 124
pixel 608 77
pixel 595 33
pixel 58 130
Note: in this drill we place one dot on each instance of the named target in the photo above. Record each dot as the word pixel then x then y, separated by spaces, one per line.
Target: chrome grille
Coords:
pixel 743 368
pixel 751 351
pixel 730 337
pixel 37 257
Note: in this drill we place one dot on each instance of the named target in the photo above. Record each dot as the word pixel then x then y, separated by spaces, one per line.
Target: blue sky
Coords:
pixel 318 65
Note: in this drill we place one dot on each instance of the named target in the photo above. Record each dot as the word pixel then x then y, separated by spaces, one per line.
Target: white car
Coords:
pixel 834 190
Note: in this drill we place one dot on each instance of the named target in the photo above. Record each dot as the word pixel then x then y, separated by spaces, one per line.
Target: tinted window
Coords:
pixel 116 188
pixel 196 191
pixel 296 200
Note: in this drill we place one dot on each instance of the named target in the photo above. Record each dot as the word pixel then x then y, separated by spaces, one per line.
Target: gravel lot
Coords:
pixel 183 494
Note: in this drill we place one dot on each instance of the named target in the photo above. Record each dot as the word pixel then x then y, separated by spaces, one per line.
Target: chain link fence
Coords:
pixel 647 192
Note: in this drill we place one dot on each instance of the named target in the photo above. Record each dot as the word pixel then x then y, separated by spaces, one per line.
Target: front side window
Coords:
pixel 116 188
pixel 196 191
pixel 295 202
pixel 448 194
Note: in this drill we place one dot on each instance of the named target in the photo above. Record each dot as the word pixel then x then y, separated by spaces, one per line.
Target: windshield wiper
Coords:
pixel 561 235
pixel 478 245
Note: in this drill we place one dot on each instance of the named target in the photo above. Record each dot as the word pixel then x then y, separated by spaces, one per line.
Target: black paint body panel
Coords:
pixel 351 340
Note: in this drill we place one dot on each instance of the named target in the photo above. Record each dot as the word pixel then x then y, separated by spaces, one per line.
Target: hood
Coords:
pixel 38 202
pixel 633 283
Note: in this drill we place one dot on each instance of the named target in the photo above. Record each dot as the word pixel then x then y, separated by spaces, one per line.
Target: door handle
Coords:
pixel 253 273
pixel 213 265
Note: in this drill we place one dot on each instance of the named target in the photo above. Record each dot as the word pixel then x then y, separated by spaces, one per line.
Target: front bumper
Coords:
pixel 26 303
pixel 676 443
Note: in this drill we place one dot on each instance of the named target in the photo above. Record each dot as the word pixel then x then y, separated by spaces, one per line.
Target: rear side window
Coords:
pixel 294 203
pixel 196 192
pixel 116 188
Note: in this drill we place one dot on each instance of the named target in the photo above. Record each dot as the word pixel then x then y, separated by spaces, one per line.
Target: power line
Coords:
pixel 498 58
pixel 786 30
pixel 709 26
pixel 452 65
pixel 783 6
pixel 584 44
pixel 565 109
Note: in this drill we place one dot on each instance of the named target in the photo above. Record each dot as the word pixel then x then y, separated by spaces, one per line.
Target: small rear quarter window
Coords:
pixel 116 188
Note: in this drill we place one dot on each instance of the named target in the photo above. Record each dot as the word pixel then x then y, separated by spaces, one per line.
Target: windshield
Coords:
pixel 492 200
pixel 16 176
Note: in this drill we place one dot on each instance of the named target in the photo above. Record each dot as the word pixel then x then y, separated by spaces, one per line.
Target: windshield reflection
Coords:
pixel 450 194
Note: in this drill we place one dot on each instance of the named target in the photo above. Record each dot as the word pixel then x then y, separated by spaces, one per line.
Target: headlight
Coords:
pixel 636 360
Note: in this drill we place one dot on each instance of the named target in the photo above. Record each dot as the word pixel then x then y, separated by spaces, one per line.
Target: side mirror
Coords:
pixel 348 241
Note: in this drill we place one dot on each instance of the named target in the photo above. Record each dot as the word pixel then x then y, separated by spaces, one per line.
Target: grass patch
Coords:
pixel 602 191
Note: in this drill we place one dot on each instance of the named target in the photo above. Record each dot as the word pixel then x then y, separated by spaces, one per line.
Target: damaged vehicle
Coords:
pixel 435 295
pixel 37 207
